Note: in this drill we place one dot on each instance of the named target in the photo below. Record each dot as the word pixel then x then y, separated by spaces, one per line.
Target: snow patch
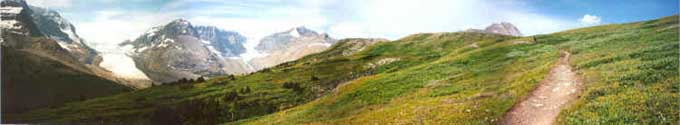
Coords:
pixel 70 34
pixel 9 24
pixel 251 52
pixel 126 47
pixel 165 43
pixel 149 35
pixel 294 33
pixel 64 45
pixel 169 41
pixel 234 58
pixel 319 44
pixel 326 44
pixel 122 66
pixel 213 50
pixel 204 41
pixel 141 49
pixel 11 10
pixel 152 30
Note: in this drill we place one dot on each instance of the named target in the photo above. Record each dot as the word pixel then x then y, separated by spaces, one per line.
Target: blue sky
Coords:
pixel 614 11
pixel 108 22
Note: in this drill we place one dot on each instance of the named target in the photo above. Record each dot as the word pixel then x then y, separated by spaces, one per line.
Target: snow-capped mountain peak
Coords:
pixel 179 27
pixel 289 45
pixel 180 49
pixel 294 33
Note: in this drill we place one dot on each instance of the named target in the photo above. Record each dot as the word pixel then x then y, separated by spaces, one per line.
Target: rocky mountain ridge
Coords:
pixel 180 50
pixel 502 28
pixel 290 45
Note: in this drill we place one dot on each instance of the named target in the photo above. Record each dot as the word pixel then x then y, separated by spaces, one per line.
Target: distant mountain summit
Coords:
pixel 290 45
pixel 180 50
pixel 228 43
pixel 291 37
pixel 503 28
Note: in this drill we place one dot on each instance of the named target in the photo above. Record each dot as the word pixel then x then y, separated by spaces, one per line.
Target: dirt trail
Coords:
pixel 544 103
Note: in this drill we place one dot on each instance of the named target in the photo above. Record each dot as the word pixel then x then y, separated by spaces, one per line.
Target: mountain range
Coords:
pixel 38 38
pixel 290 45
pixel 421 78
pixel 181 50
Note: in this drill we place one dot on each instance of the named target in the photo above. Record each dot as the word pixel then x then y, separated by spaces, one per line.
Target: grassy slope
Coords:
pixel 462 84
pixel 630 72
pixel 31 81
pixel 439 78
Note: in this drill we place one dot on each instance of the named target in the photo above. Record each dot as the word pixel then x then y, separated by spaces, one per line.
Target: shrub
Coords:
pixel 292 85
pixel 230 96
pixel 245 90
pixel 183 80
pixel 200 79
pixel 231 77
pixel 314 78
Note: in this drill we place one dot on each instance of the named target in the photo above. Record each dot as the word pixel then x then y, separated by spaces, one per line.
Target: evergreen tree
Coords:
pixel 200 79
pixel 183 80
pixel 314 78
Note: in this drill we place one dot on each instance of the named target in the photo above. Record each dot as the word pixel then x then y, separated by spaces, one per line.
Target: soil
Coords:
pixel 546 101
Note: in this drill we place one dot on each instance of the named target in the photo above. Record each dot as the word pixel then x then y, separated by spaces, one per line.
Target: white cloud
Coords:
pixel 590 19
pixel 51 3
pixel 111 27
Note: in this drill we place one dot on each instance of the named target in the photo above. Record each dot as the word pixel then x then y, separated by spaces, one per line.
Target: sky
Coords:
pixel 109 22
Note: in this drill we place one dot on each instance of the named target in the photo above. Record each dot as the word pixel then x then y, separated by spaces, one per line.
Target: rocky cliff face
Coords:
pixel 290 45
pixel 180 50
pixel 227 43
pixel 44 63
pixel 21 21
pixel 55 27
pixel 503 28
pixel 15 18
